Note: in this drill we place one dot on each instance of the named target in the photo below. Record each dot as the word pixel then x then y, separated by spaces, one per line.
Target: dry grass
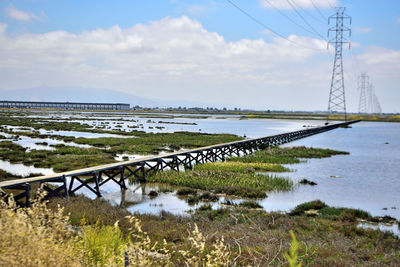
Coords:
pixel 39 236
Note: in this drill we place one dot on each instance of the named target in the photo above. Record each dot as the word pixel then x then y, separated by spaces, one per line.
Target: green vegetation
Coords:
pixel 157 142
pixel 293 254
pixel 324 211
pixel 6 175
pixel 287 155
pixel 232 166
pixel 250 204
pixel 192 197
pixel 230 183
pixel 312 205
pixel 64 158
pixel 46 238
pixel 186 191
pixel 251 236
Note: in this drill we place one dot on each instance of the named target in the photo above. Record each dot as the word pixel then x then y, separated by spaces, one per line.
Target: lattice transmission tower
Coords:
pixel 337 100
pixel 363 84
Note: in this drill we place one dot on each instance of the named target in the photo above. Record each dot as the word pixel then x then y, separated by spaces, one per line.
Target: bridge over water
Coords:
pixel 67 183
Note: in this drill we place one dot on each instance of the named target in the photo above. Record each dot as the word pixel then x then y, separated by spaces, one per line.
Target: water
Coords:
pixel 23 170
pixel 368 178
pixel 38 143
pixel 231 124
pixel 383 227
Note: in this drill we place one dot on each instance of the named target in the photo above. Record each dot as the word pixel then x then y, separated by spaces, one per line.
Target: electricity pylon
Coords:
pixel 363 84
pixel 337 100
pixel 370 101
pixel 377 105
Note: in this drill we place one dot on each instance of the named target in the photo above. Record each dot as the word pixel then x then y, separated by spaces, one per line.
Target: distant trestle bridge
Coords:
pixel 67 183
pixel 63 105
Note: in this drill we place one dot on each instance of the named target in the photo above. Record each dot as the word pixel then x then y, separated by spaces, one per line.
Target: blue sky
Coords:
pixel 376 49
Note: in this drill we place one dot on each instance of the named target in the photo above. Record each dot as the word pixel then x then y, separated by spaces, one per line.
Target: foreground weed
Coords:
pixel 293 255
pixel 38 236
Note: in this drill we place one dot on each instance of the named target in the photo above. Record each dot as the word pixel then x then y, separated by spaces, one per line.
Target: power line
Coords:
pixel 309 14
pixel 319 11
pixel 305 21
pixel 330 4
pixel 268 28
pixel 286 16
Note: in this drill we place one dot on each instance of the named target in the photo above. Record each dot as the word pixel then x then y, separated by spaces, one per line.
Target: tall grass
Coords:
pixel 38 236
pixel 230 183
pixel 241 167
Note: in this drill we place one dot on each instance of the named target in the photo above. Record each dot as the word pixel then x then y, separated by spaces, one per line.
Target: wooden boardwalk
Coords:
pixel 94 177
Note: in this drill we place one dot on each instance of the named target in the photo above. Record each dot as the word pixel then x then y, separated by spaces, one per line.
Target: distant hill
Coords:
pixel 81 94
pixel 75 94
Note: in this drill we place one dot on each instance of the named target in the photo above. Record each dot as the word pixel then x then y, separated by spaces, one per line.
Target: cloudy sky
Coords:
pixel 200 50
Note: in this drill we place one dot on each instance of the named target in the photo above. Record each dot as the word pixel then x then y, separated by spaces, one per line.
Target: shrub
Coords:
pixel 250 205
pixel 312 205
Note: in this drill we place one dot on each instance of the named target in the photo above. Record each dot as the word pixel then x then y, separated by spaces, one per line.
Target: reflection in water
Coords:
pixel 23 170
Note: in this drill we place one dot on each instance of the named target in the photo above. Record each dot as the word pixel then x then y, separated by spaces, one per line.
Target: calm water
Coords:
pixel 368 178
pixel 212 124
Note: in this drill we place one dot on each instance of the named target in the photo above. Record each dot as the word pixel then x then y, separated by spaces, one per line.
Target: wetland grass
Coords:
pixel 64 158
pixel 332 213
pixel 236 166
pixel 250 204
pixel 251 236
pixel 230 183
pixel 155 142
pixel 286 155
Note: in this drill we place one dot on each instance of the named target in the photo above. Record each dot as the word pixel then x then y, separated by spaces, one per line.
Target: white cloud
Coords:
pixel 398 20
pixel 381 61
pixel 362 30
pixel 17 14
pixel 173 58
pixel 291 4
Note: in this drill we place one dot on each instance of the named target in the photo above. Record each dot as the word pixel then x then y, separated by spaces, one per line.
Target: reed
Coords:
pixel 286 155
pixel 230 183
pixel 236 166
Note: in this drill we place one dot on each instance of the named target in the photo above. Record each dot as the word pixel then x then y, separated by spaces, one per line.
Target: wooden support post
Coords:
pixel 122 177
pixel 112 177
pixel 86 184
pixel 61 191
pixel 143 173
pixel 97 176
pixel 25 194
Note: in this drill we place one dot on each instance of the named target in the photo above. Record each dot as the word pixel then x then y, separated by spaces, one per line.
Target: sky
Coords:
pixel 271 54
